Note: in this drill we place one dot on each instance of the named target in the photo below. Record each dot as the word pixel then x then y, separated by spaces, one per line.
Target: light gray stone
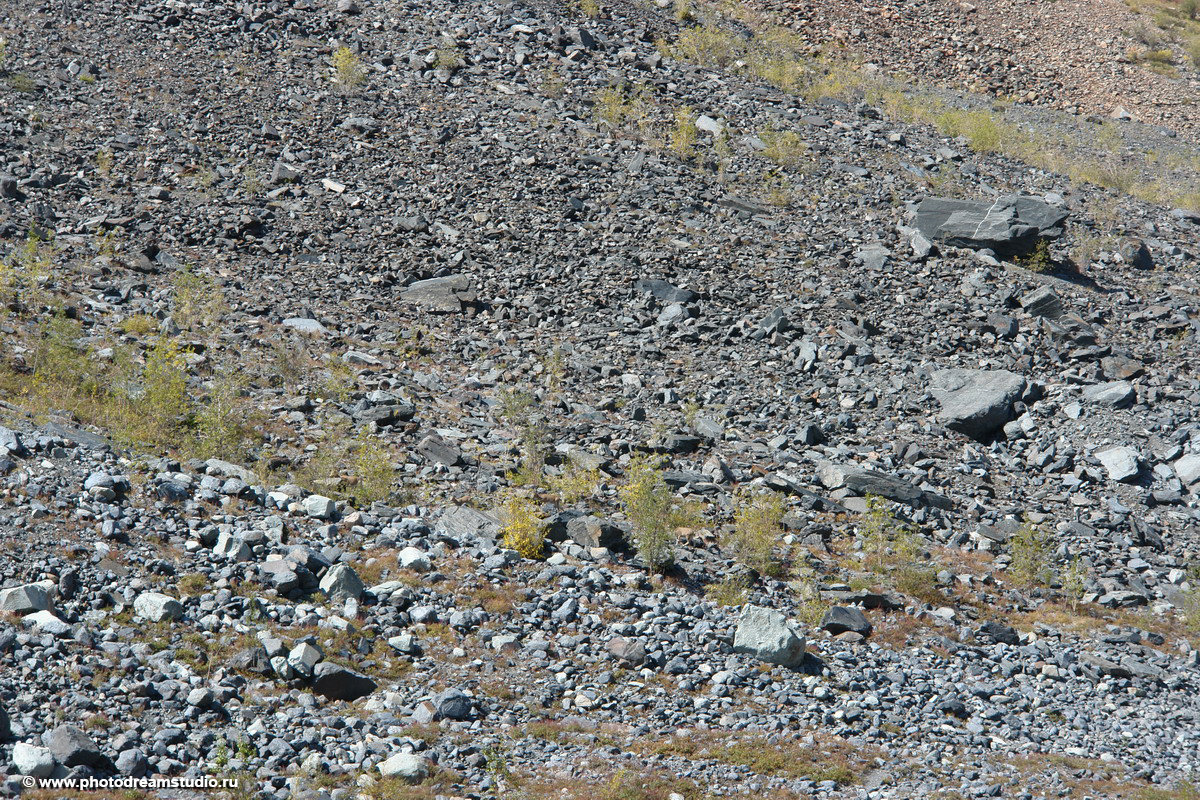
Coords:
pixel 30 759
pixel 340 583
pixel 24 599
pixel 1122 463
pixel 767 635
pixel 408 767
pixel 976 402
pixel 156 607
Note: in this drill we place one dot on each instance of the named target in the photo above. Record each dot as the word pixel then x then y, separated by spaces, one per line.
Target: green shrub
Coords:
pixel 523 530
pixel 1029 554
pixel 24 272
pixel 650 507
pixel 219 423
pixel 756 528
pixel 347 69
pixel 731 591
pixel 372 466
pixel 199 301
pixel 685 134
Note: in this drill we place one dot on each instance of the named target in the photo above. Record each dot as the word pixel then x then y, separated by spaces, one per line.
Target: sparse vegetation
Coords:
pixel 1029 553
pixel 648 504
pixel 348 72
pixel 756 529
pixel 685 133
pixel 524 530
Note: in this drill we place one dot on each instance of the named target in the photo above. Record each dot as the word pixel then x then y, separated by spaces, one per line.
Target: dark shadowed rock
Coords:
pixel 336 682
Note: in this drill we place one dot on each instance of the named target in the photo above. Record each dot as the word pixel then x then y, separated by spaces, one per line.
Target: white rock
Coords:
pixel 408 767
pixel 1121 463
pixel 319 507
pixel 156 607
pixel 766 635
pixel 414 559
pixel 46 622
pixel 29 759
pixel 24 599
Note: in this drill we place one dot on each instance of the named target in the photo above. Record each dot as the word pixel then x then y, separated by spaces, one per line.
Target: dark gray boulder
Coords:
pixel 336 682
pixel 1009 225
pixel 976 402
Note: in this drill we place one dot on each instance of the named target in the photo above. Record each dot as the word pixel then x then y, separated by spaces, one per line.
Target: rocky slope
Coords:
pixel 316 311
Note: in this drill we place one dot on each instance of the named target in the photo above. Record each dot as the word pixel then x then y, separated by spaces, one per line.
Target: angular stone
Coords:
pixel 631 651
pixel 840 619
pixel 336 682
pixel 414 559
pixel 452 704
pixel 464 522
pixel 408 767
pixel 976 402
pixel 319 507
pixel 340 583
pixel 46 622
pixel 29 759
pixel 1009 225
pixel 1187 469
pixel 1123 464
pixel 24 599
pixel 438 294
pixel 1115 394
pixel 1043 302
pixel 767 635
pixel 72 747
pixel 156 607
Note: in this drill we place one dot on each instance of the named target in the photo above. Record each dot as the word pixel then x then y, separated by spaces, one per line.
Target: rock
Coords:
pixel 1009 225
pixel 11 441
pixel 976 402
pixel 464 522
pixel 340 583
pixel 305 325
pixel 1116 394
pixel 336 682
pixel 319 507
pixel 414 559
pixel 46 622
pixel 24 599
pixel 631 651
pixel 304 658
pixel 438 294
pixel 665 292
pixel 72 747
pixel 251 659
pixel 1123 464
pixel 1187 469
pixel 999 632
pixel 438 450
pixel 156 607
pixel 767 635
pixel 29 759
pixel 408 767
pixel 840 619
pixel 1043 302
pixel 132 763
pixel 452 704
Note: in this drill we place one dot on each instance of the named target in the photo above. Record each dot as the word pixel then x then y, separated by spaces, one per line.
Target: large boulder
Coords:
pixel 976 402
pixel 340 583
pixel 1009 225
pixel 336 682
pixel 840 619
pixel 767 635
pixel 156 607
pixel 29 759
pixel 408 767
pixel 24 599
pixel 72 747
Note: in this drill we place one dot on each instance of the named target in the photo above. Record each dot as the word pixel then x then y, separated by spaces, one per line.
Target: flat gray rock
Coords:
pixel 976 402
pixel 1009 225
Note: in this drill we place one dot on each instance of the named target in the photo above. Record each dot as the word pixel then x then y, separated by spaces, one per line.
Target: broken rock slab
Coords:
pixel 976 402
pixel 445 294
pixel 1009 225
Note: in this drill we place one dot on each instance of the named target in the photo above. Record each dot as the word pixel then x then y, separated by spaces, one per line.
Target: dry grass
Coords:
pixel 825 758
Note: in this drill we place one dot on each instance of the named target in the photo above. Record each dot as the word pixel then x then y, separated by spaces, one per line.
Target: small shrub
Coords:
pixel 619 106
pixel 104 161
pixel 784 148
pixel 731 591
pixel 219 422
pixel 684 134
pixel 372 465
pixel 756 527
pixel 1038 260
pixel 1074 583
pixel 1029 551
pixel 448 56
pixel 574 484
pixel 199 302
pixel 24 271
pixel 347 69
pixel 683 10
pixel 164 398
pixel 523 530
pixel 809 608
pixel 193 583
pixel 20 82
pixel 648 504
pixel 893 548
pixel 139 324
pixel 590 8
